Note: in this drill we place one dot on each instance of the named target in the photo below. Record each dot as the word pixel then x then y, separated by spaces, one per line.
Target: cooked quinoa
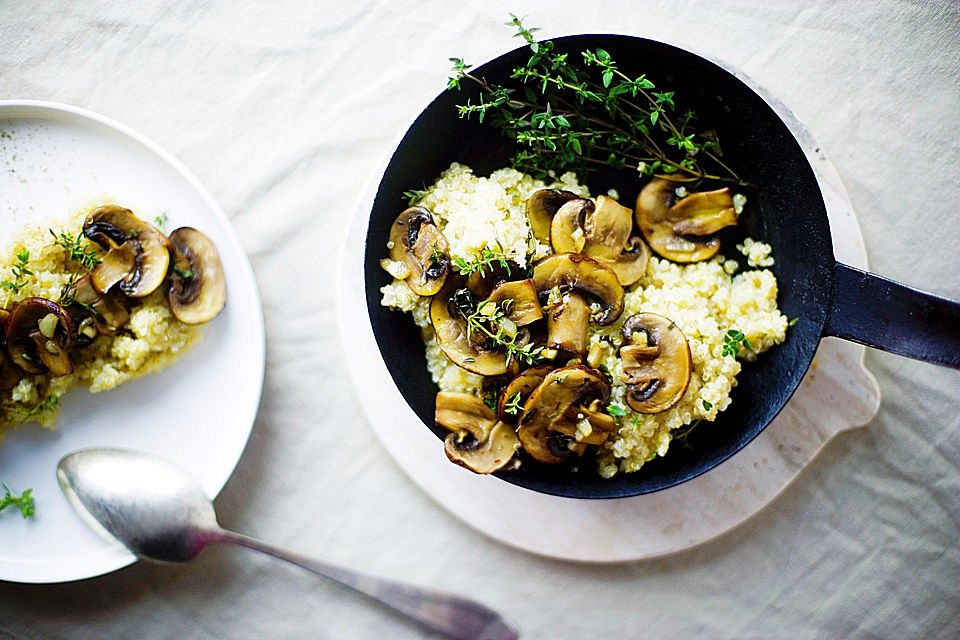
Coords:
pixel 151 340
pixel 704 299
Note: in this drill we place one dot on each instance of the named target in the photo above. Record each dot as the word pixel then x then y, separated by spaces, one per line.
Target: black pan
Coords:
pixel 787 211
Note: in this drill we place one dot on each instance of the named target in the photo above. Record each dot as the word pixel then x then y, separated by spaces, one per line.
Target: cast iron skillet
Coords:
pixel 787 211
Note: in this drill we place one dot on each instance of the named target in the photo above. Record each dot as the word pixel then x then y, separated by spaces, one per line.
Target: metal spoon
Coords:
pixel 160 513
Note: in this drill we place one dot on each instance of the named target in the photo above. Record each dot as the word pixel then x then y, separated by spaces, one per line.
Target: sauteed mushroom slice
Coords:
pixel 608 228
pixel 116 265
pixel 656 362
pixel 547 407
pixel 542 206
pixel 524 307
pixel 567 324
pixel 631 265
pixel 477 440
pixel 452 336
pixel 567 233
pixel 572 271
pixel 416 241
pixel 95 313
pixel 586 424
pixel 10 374
pixel 39 335
pixel 681 230
pixel 198 288
pixel 518 390
pixel 112 226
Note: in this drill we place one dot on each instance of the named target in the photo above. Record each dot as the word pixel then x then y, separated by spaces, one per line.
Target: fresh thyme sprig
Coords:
pixel 733 342
pixel 49 404
pixel 482 261
pixel 568 117
pixel 415 195
pixel 78 248
pixel 23 502
pixel 490 320
pixel 20 272
pixel 513 405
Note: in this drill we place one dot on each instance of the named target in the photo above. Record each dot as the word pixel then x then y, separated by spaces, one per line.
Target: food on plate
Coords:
pixel 24 502
pixel 562 325
pixel 106 298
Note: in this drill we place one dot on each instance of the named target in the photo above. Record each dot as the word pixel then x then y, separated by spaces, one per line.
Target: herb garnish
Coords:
pixel 616 410
pixel 24 501
pixel 482 261
pixel 565 116
pixel 513 406
pixel 490 319
pixel 20 272
pixel 733 341
pixel 160 219
pixel 50 403
pixel 707 405
pixel 78 247
pixel 415 195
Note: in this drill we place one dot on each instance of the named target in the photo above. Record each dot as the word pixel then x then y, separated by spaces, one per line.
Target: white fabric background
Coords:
pixel 284 109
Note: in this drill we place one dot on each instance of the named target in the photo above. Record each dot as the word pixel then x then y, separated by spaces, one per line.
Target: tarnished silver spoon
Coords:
pixel 160 513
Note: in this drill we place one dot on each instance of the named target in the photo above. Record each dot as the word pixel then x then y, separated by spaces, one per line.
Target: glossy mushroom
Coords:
pixel 656 362
pixel 567 324
pixel 39 335
pixel 682 230
pixel 548 409
pixel 572 271
pixel 610 243
pixel 416 242
pixel 198 286
pixel 94 313
pixel 111 227
pixel 452 335
pixel 567 233
pixel 523 307
pixel 542 206
pixel 10 374
pixel 477 440
pixel 518 390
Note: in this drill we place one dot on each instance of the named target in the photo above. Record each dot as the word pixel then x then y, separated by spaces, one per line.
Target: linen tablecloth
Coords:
pixel 285 109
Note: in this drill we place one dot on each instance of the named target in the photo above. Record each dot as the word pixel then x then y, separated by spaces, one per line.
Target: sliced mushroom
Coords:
pixel 39 335
pixel 117 264
pixel 518 390
pixel 452 336
pixel 656 362
pixel 105 313
pixel 10 374
pixel 112 226
pixel 477 440
pixel 609 242
pixel 524 307
pixel 567 233
pixel 586 424
pixel 682 230
pixel 198 287
pixel 547 408
pixel 416 241
pixel 542 206
pixel 567 324
pixel 586 276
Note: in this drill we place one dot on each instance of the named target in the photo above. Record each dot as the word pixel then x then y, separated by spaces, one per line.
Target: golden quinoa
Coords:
pixel 705 300
pixel 151 340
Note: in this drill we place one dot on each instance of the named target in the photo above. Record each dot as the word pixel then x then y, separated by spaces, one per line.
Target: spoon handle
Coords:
pixel 456 617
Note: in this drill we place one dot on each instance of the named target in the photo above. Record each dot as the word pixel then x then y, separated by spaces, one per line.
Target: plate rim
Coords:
pixel 54 573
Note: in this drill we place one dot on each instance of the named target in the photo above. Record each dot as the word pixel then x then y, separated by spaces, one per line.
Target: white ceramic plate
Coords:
pixel 198 413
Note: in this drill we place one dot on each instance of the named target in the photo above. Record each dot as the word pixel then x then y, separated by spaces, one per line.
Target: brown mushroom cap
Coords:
pixel 567 324
pixel 416 241
pixel 548 406
pixel 524 307
pixel 567 233
pixel 10 374
pixel 477 440
pixel 672 227
pixel 112 226
pixel 107 312
pixel 656 362
pixel 608 228
pixel 198 286
pixel 542 206
pixel 524 384
pixel 587 276
pixel 451 330
pixel 29 347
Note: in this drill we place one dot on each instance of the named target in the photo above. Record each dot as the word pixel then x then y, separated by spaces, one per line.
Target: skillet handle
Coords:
pixel 886 315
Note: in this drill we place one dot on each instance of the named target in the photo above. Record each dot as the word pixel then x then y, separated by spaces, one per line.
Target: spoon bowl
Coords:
pixel 160 513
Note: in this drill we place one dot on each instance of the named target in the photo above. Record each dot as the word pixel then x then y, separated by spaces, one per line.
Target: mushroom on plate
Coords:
pixel 477 440
pixel 542 206
pixel 137 255
pixel 416 242
pixel 556 411
pixel 656 362
pixel 10 374
pixel 94 313
pixel 683 229
pixel 198 287
pixel 39 335
pixel 523 307
pixel 567 233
